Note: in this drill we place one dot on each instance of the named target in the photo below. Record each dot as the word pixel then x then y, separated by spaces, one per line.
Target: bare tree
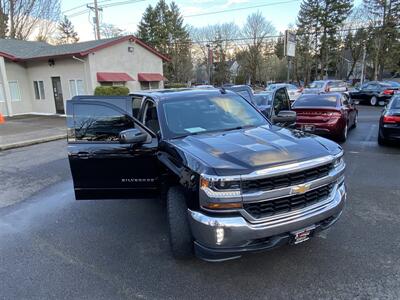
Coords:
pixel 255 34
pixel 219 37
pixel 110 30
pixel 27 16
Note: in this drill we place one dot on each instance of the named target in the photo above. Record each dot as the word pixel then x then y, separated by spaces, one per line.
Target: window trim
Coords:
pixel 41 97
pixel 72 140
pixel 18 89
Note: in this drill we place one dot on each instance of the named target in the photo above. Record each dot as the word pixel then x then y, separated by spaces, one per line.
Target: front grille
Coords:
pixel 283 205
pixel 282 181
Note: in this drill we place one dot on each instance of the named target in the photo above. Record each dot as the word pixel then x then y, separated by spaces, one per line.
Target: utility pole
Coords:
pixel 363 65
pixel 96 20
pixel 96 14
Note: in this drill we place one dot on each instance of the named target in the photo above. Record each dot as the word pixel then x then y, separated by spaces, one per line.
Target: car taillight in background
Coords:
pixel 300 90
pixel 327 89
pixel 391 119
pixel 388 92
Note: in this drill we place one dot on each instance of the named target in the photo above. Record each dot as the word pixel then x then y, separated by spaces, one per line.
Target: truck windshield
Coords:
pixel 208 114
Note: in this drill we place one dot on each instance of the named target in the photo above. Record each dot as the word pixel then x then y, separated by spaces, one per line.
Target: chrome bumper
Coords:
pixel 230 232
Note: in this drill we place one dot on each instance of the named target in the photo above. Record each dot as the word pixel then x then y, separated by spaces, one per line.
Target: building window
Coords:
pixel 144 85
pixel 112 83
pixel 76 87
pixel 38 86
pixel 14 90
pixel 154 85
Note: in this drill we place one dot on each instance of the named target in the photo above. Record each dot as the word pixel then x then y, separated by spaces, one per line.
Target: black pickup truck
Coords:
pixel 233 183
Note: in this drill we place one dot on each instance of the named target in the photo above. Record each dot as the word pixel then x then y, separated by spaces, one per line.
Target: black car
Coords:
pixel 389 123
pixel 374 92
pixel 233 183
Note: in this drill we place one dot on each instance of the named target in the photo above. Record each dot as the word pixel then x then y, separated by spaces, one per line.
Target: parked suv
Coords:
pixel 233 183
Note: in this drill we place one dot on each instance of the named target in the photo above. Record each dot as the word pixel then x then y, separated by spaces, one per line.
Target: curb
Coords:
pixel 32 142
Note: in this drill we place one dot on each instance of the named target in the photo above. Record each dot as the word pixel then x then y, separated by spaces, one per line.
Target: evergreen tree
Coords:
pixel 321 20
pixel 162 28
pixel 384 34
pixel 67 33
pixel 279 47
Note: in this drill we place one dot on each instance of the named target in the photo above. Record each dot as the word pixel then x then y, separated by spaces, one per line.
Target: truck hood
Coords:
pixel 243 151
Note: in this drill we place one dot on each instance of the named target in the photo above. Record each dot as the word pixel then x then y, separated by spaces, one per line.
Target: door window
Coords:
pixel 99 123
pixel 150 118
pixel 136 105
pixel 281 101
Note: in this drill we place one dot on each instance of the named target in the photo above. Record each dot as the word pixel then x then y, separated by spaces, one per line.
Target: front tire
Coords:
pixel 343 135
pixel 373 101
pixel 355 121
pixel 180 236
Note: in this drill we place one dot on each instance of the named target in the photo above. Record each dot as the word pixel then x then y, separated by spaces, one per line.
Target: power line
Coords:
pixel 82 5
pixel 240 8
pixel 242 40
pixel 81 12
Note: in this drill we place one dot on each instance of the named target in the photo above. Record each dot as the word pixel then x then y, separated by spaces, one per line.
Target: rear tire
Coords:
pixel 180 236
pixel 343 135
pixel 373 101
pixel 381 140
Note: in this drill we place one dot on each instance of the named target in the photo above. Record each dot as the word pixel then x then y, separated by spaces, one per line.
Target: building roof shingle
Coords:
pixel 24 50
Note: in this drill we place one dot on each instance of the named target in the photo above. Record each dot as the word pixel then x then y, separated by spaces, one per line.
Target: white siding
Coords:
pixel 66 69
pixel 117 58
pixel 18 72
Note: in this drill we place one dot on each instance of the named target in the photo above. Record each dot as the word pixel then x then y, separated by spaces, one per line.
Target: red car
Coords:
pixel 331 114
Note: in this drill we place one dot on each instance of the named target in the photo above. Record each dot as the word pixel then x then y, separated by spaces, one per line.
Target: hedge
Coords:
pixel 175 85
pixel 111 91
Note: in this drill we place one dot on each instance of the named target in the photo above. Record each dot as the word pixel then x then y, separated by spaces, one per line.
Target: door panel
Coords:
pixel 101 167
pixel 58 95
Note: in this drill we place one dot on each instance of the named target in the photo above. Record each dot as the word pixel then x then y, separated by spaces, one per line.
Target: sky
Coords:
pixel 127 15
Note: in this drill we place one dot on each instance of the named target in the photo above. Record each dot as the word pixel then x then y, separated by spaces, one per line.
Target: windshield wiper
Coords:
pixel 211 131
pixel 238 127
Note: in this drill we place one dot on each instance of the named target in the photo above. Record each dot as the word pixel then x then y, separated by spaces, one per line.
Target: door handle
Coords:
pixel 82 155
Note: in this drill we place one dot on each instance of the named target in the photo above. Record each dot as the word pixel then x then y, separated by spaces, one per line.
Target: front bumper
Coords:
pixel 225 237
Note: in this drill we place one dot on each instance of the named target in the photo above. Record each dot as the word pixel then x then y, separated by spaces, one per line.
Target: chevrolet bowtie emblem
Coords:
pixel 300 189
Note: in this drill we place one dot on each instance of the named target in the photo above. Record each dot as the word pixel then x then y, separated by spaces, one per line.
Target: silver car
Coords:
pixel 326 86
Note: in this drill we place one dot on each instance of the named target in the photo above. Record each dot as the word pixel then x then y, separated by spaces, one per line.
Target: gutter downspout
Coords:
pixel 84 70
pixel 6 88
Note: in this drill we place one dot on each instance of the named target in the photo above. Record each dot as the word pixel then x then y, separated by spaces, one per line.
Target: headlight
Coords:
pixel 219 188
pixel 339 161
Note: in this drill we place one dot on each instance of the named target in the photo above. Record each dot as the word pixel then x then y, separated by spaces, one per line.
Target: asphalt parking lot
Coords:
pixel 53 247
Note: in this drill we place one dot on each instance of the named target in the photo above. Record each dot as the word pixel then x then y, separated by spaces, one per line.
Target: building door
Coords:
pixel 58 95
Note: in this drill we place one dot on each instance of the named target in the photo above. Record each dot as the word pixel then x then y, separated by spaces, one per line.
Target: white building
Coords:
pixel 36 77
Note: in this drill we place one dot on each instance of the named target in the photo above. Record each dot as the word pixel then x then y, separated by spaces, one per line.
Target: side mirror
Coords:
pixel 132 136
pixel 285 117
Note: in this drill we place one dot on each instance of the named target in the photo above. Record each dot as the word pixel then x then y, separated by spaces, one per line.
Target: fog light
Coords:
pixel 219 234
